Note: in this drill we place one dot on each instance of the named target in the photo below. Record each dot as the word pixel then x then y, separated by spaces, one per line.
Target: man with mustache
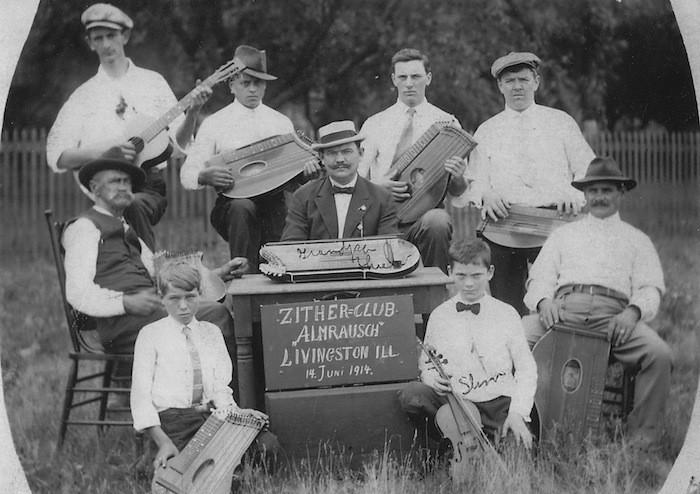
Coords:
pixel 343 204
pixel 390 133
pixel 603 274
pixel 102 112
pixel 528 154
pixel 245 224
pixel 109 269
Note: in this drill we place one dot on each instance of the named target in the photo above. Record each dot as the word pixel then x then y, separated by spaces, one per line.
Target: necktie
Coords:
pixel 475 308
pixel 406 138
pixel 197 386
pixel 343 190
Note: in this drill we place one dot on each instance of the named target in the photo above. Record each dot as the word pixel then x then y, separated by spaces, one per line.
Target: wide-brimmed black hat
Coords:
pixel 255 62
pixel 604 170
pixel 112 160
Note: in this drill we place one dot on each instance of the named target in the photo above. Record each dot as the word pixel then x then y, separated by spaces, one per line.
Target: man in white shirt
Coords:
pixel 389 133
pixel 528 154
pixel 245 224
pixel 603 274
pixel 111 107
pixel 343 204
pixel 109 269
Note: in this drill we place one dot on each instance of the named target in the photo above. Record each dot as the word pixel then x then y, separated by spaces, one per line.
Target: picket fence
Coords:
pixel 666 165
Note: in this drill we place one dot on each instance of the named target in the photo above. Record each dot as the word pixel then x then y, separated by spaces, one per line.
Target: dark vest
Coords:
pixel 119 265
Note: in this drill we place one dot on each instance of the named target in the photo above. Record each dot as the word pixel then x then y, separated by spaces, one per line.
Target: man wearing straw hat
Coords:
pixel 105 110
pixel 109 269
pixel 342 204
pixel 245 224
pixel 601 273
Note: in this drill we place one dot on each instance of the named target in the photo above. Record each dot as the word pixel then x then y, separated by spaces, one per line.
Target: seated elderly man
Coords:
pixel 108 267
pixel 602 273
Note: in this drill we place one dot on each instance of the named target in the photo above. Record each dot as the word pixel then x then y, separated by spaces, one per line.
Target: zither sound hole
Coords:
pixel 253 168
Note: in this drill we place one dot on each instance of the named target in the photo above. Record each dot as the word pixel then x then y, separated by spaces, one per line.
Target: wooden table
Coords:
pixel 427 285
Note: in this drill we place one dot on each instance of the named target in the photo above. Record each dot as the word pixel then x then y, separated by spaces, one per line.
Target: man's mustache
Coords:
pixel 600 202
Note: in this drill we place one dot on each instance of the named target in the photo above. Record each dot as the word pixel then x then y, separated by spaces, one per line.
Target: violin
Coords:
pixel 459 422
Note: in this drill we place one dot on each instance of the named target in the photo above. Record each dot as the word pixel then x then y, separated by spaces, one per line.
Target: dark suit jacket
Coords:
pixel 312 215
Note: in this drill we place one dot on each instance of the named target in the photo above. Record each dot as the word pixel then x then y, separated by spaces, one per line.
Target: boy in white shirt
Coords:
pixel 479 340
pixel 182 369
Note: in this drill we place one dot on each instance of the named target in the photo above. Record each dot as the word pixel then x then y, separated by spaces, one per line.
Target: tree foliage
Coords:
pixel 600 61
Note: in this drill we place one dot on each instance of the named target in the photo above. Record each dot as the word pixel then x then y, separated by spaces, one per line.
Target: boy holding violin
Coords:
pixel 480 344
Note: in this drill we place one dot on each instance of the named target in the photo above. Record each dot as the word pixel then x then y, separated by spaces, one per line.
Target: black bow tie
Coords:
pixel 475 308
pixel 343 190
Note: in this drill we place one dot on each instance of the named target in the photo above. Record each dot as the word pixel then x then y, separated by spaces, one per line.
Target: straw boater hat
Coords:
pixel 112 160
pixel 604 170
pixel 105 15
pixel 337 133
pixel 255 61
pixel 513 59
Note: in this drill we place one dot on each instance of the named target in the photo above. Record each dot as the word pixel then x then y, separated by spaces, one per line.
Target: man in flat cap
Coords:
pixel 602 274
pixel 528 155
pixel 390 133
pixel 113 106
pixel 109 269
pixel 342 204
pixel 245 224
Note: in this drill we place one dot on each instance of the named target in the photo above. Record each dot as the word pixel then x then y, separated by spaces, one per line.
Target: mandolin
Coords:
pixel 459 422
pixel 148 136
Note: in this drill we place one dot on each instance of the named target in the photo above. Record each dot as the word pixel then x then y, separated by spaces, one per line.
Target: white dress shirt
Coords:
pixel 382 133
pixel 529 157
pixel 162 375
pixel 606 252
pixel 105 111
pixel 342 204
pixel 232 127
pixel 81 240
pixel 481 351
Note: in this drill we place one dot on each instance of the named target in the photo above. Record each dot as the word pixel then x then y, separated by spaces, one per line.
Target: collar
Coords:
pixel 403 107
pixel 103 73
pixel 350 184
pixel 177 323
pixel 458 298
pixel 518 114
pixel 615 218
pixel 238 106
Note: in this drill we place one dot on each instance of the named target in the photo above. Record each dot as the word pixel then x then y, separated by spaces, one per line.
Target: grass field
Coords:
pixel 34 344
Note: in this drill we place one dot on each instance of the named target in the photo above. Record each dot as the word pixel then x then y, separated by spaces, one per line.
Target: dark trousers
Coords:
pixel 510 276
pixel 421 403
pixel 431 234
pixel 148 208
pixel 181 424
pixel 247 224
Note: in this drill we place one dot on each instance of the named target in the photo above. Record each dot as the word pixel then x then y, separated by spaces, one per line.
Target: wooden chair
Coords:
pixel 92 375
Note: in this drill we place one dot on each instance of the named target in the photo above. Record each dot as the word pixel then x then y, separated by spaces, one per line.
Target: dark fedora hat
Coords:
pixel 604 170
pixel 255 62
pixel 112 160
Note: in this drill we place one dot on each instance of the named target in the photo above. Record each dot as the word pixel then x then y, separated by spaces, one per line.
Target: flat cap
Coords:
pixel 105 15
pixel 515 58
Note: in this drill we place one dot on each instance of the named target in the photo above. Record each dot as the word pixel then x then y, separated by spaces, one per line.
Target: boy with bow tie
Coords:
pixel 481 343
pixel 343 204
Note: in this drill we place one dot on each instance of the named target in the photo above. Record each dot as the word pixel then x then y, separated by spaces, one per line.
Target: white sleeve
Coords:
pixel 544 273
pixel 143 411
pixel 80 241
pixel 201 150
pixel 64 134
pixel 525 369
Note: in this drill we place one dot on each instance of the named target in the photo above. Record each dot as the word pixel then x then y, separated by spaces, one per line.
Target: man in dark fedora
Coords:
pixel 528 154
pixel 245 224
pixel 603 274
pixel 109 269
pixel 119 101
pixel 342 204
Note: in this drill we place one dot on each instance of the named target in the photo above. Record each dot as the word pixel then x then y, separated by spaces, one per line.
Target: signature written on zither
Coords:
pixel 357 253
